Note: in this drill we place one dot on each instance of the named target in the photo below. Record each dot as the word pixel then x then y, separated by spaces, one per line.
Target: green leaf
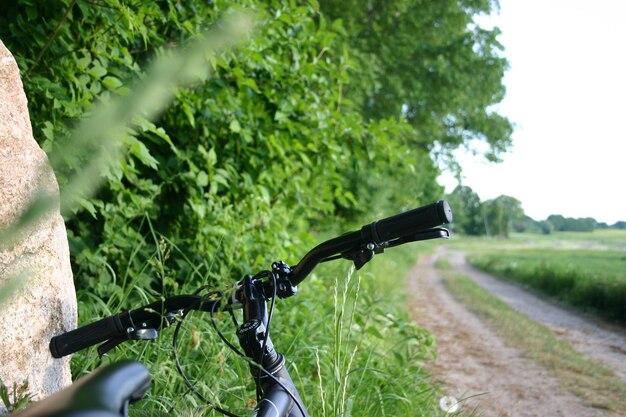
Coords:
pixel 87 205
pixel 112 82
pixel 314 4
pixel 4 395
pixel 211 157
pixel 142 153
pixel 234 126
pixel 83 63
pixel 48 130
pixel 202 180
pixel 219 179
pixel 280 117
pixel 189 113
pixel 249 82
pixel 97 70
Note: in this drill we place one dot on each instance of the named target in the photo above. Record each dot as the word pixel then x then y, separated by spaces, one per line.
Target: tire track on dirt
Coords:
pixel 601 342
pixel 475 364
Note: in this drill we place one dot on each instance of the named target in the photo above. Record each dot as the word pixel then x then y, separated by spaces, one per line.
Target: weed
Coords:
pixel 17 398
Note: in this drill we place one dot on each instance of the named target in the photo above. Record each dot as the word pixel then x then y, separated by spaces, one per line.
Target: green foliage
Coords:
pixel 568 224
pixel 351 346
pixel 16 398
pixel 377 353
pixel 590 279
pixel 266 140
pixel 430 63
pixel 467 210
pixel 500 214
pixel 547 227
pixel 236 172
pixel 619 225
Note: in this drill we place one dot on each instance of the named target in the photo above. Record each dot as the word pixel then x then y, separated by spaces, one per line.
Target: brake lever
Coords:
pixel 110 344
pixel 362 255
pixel 436 233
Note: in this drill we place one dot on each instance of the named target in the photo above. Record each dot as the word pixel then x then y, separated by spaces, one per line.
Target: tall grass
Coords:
pixel 588 279
pixel 350 346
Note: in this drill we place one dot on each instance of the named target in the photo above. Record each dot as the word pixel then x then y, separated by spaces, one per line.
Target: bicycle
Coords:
pixel 107 392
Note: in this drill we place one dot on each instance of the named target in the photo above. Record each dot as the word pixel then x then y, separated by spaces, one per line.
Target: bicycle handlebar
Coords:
pixel 124 325
pixel 379 233
pixel 78 339
pixel 410 222
pixel 280 394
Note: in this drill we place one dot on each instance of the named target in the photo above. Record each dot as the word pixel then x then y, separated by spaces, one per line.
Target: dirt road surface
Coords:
pixel 475 364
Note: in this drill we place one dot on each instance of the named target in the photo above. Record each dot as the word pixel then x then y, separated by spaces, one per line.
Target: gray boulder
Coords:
pixel 43 301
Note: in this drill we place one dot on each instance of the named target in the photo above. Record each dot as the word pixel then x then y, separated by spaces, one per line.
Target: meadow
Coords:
pixel 584 270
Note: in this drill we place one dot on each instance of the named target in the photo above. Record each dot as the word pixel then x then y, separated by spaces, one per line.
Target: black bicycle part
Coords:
pixel 105 392
pixel 359 246
pixel 124 326
pixel 279 395
pixel 371 237
pixel 267 366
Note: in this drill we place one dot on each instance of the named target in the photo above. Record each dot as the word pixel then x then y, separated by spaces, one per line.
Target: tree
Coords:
pixel 547 227
pixel 619 225
pixel 569 224
pixel 266 139
pixel 500 213
pixel 466 207
pixel 429 62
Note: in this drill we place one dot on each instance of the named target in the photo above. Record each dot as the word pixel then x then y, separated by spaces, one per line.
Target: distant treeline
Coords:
pixel 568 224
pixel 500 216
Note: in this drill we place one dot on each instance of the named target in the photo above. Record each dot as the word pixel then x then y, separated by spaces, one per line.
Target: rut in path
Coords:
pixel 601 342
pixel 474 363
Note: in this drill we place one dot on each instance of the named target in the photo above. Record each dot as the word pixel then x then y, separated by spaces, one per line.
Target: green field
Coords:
pixel 584 270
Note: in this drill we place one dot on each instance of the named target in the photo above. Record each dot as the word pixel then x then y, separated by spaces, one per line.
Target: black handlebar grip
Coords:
pixel 86 336
pixel 411 222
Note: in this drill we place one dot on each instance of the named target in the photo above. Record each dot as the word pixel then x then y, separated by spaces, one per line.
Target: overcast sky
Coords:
pixel 566 93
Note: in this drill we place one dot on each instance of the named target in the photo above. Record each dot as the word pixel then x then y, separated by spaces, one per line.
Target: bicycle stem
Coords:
pixel 267 366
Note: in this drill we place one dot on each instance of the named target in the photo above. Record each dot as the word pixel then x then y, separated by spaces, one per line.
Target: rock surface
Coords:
pixel 43 302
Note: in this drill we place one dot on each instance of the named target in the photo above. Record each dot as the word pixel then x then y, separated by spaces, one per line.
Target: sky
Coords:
pixel 566 94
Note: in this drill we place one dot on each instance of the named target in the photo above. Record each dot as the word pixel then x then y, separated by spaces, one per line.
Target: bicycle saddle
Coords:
pixel 105 392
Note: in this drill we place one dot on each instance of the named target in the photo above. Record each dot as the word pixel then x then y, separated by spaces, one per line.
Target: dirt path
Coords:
pixel 603 343
pixel 474 363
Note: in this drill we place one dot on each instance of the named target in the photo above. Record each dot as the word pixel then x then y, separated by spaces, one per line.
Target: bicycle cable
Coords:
pixel 179 365
pixel 258 365
pixel 233 348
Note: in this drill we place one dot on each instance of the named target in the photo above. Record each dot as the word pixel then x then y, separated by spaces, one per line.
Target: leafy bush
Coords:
pixel 237 165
